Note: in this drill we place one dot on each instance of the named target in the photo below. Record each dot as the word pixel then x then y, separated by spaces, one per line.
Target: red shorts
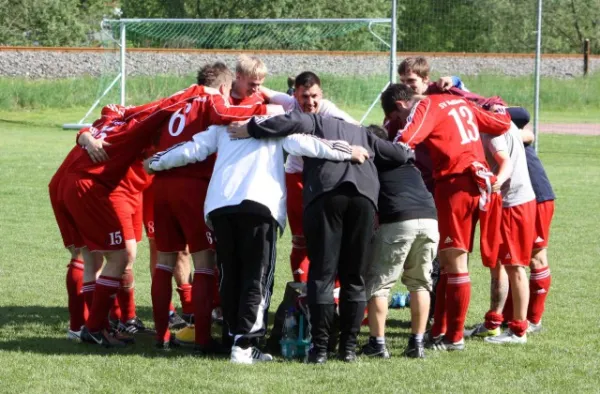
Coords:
pixel 67 229
pixel 129 210
pixel 456 200
pixel 518 233
pixel 179 214
pixel 543 220
pixel 293 183
pixel 149 210
pixel 95 217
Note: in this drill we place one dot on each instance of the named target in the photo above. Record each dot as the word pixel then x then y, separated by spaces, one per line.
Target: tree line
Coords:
pixel 423 25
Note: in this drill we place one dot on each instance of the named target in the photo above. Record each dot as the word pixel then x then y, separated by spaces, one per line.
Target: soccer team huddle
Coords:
pixel 203 172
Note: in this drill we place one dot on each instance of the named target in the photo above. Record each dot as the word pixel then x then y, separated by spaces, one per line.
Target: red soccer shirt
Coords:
pixel 129 137
pixel 450 128
pixel 256 98
pixel 208 108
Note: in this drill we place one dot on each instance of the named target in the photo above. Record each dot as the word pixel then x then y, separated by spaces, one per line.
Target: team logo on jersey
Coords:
pixel 448 240
pixel 539 240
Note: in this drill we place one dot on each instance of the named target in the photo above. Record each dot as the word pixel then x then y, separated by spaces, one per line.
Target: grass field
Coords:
pixel 36 357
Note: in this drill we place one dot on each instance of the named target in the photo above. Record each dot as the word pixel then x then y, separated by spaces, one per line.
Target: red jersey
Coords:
pixel 207 108
pixel 485 102
pixel 129 137
pixel 256 98
pixel 450 128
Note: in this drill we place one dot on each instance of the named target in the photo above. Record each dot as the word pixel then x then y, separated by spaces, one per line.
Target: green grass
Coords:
pixel 572 100
pixel 35 357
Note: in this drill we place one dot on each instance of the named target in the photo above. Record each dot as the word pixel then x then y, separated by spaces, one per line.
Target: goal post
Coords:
pixel 144 59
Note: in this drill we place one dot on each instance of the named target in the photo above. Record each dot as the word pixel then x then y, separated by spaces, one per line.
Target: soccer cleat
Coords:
pixel 428 340
pixel 251 355
pixel 102 338
pixel 415 348
pixel 316 356
pixel 217 315
pixel 482 332
pixel 122 336
pixel 166 345
pixel 348 356
pixel 134 326
pixel 176 322
pixel 186 336
pixel 533 328
pixel 375 351
pixel 73 335
pixel 444 344
pixel 113 324
pixel 507 337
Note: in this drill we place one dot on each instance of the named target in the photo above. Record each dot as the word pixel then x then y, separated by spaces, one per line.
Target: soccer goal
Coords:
pixel 144 59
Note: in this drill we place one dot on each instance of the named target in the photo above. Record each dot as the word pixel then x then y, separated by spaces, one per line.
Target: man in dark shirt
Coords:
pixel 405 245
pixel 339 201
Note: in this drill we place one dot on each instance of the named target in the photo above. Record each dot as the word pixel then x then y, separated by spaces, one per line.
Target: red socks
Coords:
pixel 493 320
pixel 106 288
pixel 87 291
pixel 299 262
pixel 202 297
pixel 539 286
pixel 458 296
pixel 74 281
pixel 162 291
pixel 519 327
pixel 185 296
pixel 126 296
pixel 439 312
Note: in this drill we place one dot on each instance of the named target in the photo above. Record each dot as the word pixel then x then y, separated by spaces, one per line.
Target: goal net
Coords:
pixel 144 59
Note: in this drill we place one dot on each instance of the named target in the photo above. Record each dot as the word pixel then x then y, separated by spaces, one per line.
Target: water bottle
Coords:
pixel 288 339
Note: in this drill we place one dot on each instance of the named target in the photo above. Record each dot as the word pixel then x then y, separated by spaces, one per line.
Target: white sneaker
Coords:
pixel 507 337
pixel 534 328
pixel 73 335
pixel 250 355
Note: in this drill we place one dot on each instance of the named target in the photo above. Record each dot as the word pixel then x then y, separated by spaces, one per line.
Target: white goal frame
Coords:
pixel 121 77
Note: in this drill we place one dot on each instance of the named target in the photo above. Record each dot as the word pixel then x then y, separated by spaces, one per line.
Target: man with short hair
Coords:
pixel 179 194
pixel 308 98
pixel 506 155
pixel 405 245
pixel 250 74
pixel 339 201
pixel 245 205
pixel 450 126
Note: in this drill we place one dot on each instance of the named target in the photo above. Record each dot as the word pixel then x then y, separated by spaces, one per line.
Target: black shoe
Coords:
pixel 348 356
pixel 135 326
pixel 176 322
pixel 122 336
pixel 375 350
pixel 114 324
pixel 102 338
pixel 415 348
pixel 214 348
pixel 316 357
pixel 166 345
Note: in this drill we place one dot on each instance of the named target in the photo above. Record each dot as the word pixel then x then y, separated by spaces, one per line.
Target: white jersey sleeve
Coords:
pixel 289 103
pixel 327 108
pixel 198 149
pixel 310 146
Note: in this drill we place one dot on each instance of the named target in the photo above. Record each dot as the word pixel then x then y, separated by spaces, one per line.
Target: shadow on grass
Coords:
pixel 42 330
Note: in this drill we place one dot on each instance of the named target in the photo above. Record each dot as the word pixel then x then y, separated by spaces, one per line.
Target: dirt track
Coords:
pixel 570 128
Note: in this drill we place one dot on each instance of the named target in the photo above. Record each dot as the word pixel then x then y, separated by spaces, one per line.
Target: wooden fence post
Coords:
pixel 586 56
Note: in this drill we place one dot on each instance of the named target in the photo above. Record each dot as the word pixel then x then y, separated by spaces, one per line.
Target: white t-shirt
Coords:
pixel 517 189
pixel 295 164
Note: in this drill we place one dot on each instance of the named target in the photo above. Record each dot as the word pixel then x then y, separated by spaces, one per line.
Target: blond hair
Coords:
pixel 251 66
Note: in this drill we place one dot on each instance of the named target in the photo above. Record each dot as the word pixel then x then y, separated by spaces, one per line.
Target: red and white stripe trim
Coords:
pixel 540 275
pixel 107 282
pixel 458 280
pixel 163 267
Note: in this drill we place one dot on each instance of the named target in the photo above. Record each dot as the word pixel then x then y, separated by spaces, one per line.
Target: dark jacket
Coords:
pixel 321 176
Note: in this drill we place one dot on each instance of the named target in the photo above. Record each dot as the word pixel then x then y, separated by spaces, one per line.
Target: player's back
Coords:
pixel 517 189
pixel 454 142
pixel 208 108
pixel 128 138
pixel 255 98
